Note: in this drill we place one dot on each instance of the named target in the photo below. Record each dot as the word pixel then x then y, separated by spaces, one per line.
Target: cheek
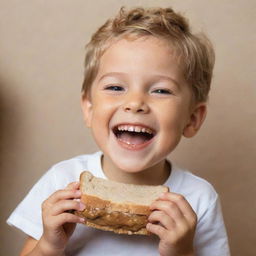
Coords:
pixel 101 116
pixel 170 119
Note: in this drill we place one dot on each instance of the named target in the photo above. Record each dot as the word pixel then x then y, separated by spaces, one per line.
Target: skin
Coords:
pixel 58 225
pixel 138 82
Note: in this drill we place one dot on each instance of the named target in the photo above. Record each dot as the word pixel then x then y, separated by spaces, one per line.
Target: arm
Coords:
pixel 211 235
pixel 34 247
pixel 29 245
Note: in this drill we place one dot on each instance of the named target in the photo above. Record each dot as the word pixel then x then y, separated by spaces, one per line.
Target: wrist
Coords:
pixel 189 254
pixel 43 248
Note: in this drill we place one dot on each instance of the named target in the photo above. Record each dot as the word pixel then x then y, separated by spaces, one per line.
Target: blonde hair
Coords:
pixel 194 50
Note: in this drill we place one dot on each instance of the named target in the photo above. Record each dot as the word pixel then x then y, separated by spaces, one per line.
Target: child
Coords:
pixel 147 79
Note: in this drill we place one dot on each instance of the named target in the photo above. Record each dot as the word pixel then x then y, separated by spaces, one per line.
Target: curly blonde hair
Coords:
pixel 194 50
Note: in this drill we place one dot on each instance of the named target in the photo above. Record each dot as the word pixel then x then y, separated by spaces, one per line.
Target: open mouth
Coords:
pixel 133 136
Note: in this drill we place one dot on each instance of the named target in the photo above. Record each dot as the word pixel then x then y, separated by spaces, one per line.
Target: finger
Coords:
pixel 62 195
pixel 161 218
pixel 73 186
pixel 185 208
pixel 172 218
pixel 157 230
pixel 64 218
pixel 180 200
pixel 170 208
pixel 66 205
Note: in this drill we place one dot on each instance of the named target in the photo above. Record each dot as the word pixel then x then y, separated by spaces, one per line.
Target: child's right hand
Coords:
pixel 58 223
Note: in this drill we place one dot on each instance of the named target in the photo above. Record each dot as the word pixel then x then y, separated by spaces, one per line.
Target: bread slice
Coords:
pixel 118 207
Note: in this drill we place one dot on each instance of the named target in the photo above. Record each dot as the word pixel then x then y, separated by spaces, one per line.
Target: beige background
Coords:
pixel 42 49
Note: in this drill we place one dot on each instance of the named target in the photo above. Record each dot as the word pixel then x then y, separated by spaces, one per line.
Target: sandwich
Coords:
pixel 118 207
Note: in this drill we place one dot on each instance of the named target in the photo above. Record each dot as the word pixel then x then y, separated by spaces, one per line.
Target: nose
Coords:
pixel 136 104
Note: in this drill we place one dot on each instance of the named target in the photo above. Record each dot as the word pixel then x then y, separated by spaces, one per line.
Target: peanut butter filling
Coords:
pixel 116 220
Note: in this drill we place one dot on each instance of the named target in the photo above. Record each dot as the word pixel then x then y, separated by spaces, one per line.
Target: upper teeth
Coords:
pixel 132 128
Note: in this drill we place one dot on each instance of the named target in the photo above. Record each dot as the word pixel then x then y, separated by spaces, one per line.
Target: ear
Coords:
pixel 86 106
pixel 196 119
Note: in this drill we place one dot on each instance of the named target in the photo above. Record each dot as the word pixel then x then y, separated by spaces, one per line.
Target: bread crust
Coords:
pixel 142 231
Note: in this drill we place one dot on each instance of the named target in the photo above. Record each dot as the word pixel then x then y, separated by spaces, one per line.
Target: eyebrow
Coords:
pixel 112 74
pixel 167 78
pixel 158 77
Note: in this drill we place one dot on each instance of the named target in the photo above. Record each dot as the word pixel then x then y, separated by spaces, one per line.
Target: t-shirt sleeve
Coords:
pixel 211 237
pixel 28 215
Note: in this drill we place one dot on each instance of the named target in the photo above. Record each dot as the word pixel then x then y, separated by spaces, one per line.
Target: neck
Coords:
pixel 154 175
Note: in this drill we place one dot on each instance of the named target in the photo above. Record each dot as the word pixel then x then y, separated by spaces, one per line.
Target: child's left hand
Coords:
pixel 174 222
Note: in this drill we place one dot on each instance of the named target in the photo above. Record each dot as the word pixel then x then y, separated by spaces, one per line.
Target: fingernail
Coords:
pixel 81 206
pixel 78 193
pixel 76 183
pixel 162 195
pixel 82 220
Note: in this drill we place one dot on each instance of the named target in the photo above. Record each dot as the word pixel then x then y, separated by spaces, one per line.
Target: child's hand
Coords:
pixel 58 223
pixel 174 222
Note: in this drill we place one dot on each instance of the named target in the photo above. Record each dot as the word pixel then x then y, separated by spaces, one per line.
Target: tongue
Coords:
pixel 132 138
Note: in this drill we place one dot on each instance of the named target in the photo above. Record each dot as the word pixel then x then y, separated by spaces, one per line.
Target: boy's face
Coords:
pixel 139 104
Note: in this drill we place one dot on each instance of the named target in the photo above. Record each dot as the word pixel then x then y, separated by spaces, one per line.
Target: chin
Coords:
pixel 131 166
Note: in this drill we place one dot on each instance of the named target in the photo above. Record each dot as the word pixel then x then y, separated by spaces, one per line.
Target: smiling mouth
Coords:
pixel 133 136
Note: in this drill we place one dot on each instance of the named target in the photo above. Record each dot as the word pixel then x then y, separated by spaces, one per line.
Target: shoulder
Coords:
pixel 77 162
pixel 199 186
pixel 69 170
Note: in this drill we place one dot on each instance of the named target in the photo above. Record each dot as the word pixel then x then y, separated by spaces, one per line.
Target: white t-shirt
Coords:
pixel 210 238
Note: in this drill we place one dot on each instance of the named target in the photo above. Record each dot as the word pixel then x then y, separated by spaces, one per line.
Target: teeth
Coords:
pixel 137 129
pixel 132 128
